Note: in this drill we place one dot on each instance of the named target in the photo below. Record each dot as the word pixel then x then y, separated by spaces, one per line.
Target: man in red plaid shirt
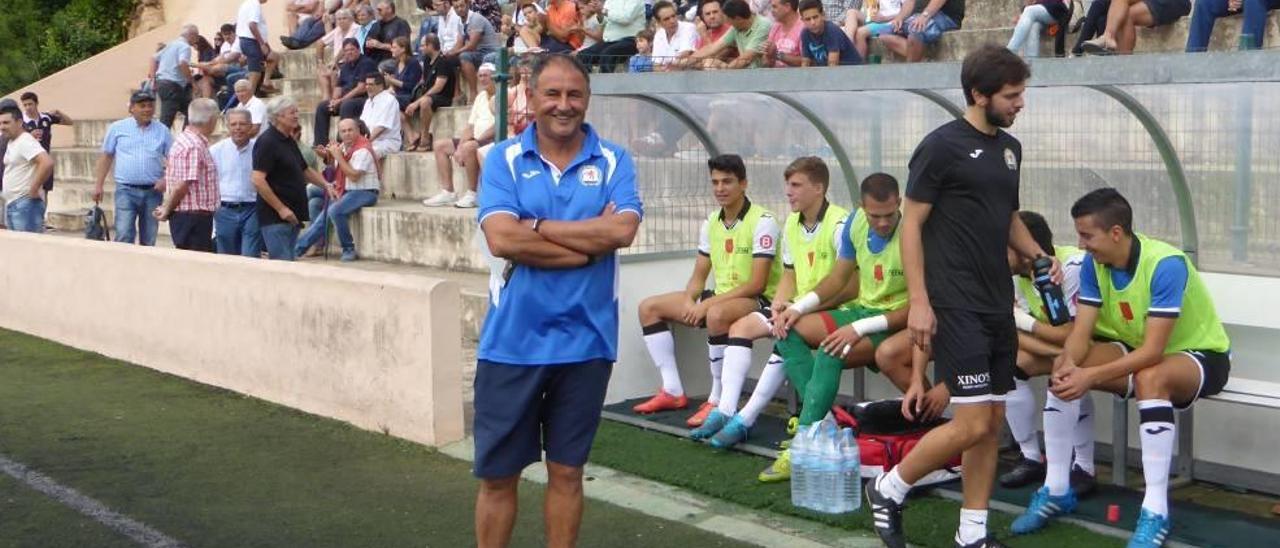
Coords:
pixel 192 181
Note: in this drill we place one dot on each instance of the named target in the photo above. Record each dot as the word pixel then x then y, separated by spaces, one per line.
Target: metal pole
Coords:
pixel 503 77
pixel 1244 174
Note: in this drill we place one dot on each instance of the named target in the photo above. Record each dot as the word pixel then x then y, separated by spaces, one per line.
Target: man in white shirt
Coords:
pixel 26 166
pixel 257 107
pixel 251 29
pixel 382 115
pixel 450 32
pixel 673 39
pixel 236 221
pixel 464 151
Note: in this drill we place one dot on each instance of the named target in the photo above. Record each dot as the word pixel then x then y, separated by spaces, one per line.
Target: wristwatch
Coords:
pixel 536 224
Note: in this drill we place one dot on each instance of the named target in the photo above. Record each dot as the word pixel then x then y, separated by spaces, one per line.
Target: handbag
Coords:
pixel 95 226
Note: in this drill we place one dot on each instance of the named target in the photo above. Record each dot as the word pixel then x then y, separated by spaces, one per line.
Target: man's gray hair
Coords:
pixel 188 29
pixel 240 112
pixel 366 9
pixel 242 84
pixel 201 111
pixel 278 105
pixel 344 11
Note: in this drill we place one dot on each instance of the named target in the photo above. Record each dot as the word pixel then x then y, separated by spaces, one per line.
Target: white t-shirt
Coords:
pixel 383 111
pixel 482 117
pixel 362 160
pixel 889 8
pixel 450 31
pixel 665 49
pixel 20 166
pixel 763 242
pixel 257 113
pixel 251 12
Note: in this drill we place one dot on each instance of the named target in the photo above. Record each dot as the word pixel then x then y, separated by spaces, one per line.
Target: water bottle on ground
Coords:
pixel 831 485
pixel 850 471
pixel 799 460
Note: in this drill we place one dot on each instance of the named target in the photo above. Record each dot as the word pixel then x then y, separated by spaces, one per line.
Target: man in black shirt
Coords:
pixel 385 30
pixel 960 215
pixel 280 175
pixel 439 81
pixel 346 99
pixel 40 125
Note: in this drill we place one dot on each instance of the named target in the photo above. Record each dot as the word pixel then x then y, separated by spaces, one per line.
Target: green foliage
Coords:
pixel 41 37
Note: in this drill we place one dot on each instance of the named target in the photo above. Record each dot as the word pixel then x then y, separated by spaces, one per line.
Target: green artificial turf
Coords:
pixel 212 468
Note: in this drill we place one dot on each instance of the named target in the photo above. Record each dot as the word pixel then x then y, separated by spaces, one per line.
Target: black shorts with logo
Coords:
pixel 974 353
pixel 1215 371
pixel 764 307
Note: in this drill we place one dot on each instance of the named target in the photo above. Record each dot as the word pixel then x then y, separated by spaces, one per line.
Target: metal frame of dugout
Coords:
pixel 1102 75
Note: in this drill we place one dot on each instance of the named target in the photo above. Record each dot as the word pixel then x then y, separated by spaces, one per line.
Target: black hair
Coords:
pixel 879 186
pixel 1039 229
pixel 807 5
pixel 377 78
pixel 663 4
pixel 1108 208
pixel 351 42
pixel 13 111
pixel 227 28
pixel 989 69
pixel 737 9
pixel 703 4
pixel 729 163
pixel 795 4
pixel 541 62
pixel 432 39
pixel 29 96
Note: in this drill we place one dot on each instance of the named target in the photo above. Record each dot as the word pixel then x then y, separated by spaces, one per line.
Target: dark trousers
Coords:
pixel 308 32
pixel 1206 12
pixel 174 98
pixel 350 108
pixel 1094 24
pixel 192 231
pixel 608 55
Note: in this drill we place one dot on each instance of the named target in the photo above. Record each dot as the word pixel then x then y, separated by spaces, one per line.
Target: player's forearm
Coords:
pixel 176 195
pixel 1020 239
pixel 786 289
pixel 544 254
pixel 913 262
pixel 1052 334
pixel 596 236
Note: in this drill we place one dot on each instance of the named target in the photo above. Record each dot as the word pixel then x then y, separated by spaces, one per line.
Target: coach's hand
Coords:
pixel 921 325
pixel 782 323
pixel 840 342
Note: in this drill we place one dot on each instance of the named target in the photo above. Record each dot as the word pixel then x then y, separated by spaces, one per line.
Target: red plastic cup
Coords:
pixel 1113 513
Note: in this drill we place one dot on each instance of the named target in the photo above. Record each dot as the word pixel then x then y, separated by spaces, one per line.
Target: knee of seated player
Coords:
pixel 750 327
pixel 894 352
pixel 719 319
pixel 1152 383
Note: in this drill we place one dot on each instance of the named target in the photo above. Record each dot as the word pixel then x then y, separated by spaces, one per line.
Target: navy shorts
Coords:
pixel 522 411
pixel 974 354
pixel 253 55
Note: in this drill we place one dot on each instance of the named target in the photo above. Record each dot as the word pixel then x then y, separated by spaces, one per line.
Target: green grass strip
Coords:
pixel 731 476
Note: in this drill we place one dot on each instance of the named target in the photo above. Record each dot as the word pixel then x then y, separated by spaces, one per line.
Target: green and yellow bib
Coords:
pixel 1124 311
pixel 1035 305
pixel 814 257
pixel 731 249
pixel 881 282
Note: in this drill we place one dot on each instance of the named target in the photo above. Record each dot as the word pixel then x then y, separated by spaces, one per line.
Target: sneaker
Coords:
pixel 348 255
pixel 989 542
pixel 886 516
pixel 467 201
pixel 1151 530
pixel 1043 506
pixel 712 424
pixel 732 434
pixel 1026 472
pixel 1083 483
pixel 444 198
pixel 662 401
pixel 700 416
pixel 793 424
pixel 779 470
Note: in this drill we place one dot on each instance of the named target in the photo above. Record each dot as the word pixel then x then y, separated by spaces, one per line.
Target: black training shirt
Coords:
pixel 971 179
pixel 278 156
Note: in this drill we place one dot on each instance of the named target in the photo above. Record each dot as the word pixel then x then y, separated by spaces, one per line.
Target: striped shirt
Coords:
pixel 139 151
pixel 189 160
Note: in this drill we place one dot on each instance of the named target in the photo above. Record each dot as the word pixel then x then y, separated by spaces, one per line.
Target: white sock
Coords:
pixel 737 362
pixel 1059 424
pixel 770 379
pixel 662 349
pixel 892 486
pixel 1084 436
pixel 715 361
pixel 1020 411
pixel 973 526
pixel 1158 438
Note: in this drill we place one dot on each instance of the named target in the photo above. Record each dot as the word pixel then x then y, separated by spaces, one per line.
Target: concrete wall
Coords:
pixel 379 350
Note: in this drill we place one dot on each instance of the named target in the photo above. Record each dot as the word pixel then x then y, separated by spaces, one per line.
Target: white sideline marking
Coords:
pixel 75 500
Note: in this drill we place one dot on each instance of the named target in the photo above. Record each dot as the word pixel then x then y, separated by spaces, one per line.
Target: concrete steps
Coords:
pixel 405 232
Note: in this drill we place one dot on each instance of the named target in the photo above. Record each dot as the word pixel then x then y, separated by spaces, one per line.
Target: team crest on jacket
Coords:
pixel 590 176
pixel 1010 160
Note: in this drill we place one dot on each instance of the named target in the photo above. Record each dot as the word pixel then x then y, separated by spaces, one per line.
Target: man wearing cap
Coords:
pixel 134 153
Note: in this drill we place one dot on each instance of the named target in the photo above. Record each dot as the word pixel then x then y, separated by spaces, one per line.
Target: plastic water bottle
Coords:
pixel 799 462
pixel 810 472
pixel 850 471
pixel 831 485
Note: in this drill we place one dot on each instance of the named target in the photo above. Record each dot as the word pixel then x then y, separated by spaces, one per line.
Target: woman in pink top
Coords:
pixel 783 45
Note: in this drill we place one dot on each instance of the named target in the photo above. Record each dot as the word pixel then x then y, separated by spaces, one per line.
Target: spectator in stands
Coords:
pixel 1125 16
pixel 310 24
pixel 202 83
pixel 482 41
pixel 236 221
pixel 528 36
pixel 280 176
pixel 521 19
pixel 673 39
pixel 1034 19
pixel 365 18
pixel 822 42
pixel 40 125
pixel 783 45
pixel 386 29
pixel 431 20
pixel 381 114
pixel 623 19
pixel 440 80
pixel 561 27
pixel 490 10
pixel 711 28
pixel 1091 25
pixel 347 96
pixel 749 34
pixel 924 27
pixel 257 107
pixel 358 180
pixel 642 61
pixel 191 180
pixel 479 132
pixel 26 166
pixel 344 29
pixel 882 17
pixel 296 12
pixel 404 76
pixel 451 30
pixel 251 29
pixel 590 12
pixel 133 152
pixel 1206 12
pixel 520 402
pixel 173 74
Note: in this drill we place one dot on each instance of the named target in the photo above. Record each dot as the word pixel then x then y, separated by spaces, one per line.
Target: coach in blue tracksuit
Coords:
pixel 556 202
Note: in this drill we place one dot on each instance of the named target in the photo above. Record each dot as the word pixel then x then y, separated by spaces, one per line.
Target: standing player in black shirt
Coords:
pixel 961 213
